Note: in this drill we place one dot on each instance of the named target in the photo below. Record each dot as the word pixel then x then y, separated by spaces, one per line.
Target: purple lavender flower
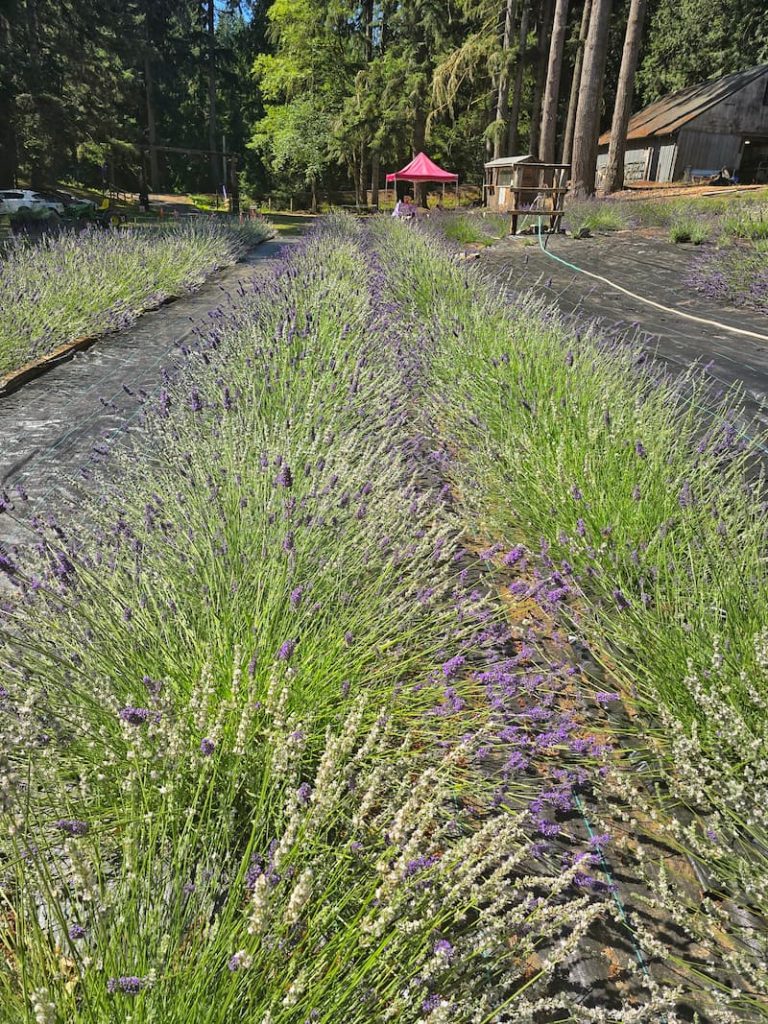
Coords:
pixel 303 793
pixel 514 555
pixel 207 746
pixel 640 450
pixel 195 402
pixel 418 864
pixel 286 651
pixel 239 961
pixel 72 826
pixel 444 948
pixel 284 477
pixel 603 697
pixel 452 666
pixel 134 716
pixel 296 595
pixel 129 984
pixel 431 1003
pixel 349 638
pixel 76 932
pixel 548 828
pixel 685 497
pixel 599 841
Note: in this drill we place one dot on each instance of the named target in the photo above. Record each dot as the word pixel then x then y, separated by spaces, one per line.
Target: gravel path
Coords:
pixel 655 269
pixel 49 426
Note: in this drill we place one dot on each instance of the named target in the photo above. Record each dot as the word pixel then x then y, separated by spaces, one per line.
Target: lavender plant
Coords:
pixel 737 274
pixel 650 530
pixel 91 283
pixel 259 746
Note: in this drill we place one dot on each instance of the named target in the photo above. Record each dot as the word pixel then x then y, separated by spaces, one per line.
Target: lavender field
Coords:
pixel 412 668
pixel 74 285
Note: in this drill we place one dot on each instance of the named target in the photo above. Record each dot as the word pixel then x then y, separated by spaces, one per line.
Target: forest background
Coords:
pixel 323 94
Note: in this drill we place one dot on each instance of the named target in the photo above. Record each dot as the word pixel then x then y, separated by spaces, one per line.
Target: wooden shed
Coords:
pixel 695 133
pixel 523 187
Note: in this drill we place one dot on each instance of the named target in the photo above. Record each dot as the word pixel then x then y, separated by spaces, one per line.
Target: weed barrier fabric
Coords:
pixel 649 267
pixel 292 760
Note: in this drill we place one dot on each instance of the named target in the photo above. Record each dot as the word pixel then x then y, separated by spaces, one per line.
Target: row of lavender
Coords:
pixel 84 284
pixel 269 751
pixel 643 525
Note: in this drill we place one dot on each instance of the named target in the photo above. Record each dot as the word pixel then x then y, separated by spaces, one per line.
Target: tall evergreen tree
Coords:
pixel 552 90
pixel 614 171
pixel 587 127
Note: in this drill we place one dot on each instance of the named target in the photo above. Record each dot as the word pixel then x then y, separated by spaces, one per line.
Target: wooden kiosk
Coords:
pixel 525 188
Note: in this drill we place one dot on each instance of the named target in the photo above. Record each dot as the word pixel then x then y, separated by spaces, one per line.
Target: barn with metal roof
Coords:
pixel 722 123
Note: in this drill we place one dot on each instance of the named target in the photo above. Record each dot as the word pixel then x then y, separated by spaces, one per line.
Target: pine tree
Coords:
pixel 614 172
pixel 552 90
pixel 586 129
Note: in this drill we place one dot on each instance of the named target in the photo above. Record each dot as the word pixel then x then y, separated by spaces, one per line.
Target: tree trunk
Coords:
pixel 517 95
pixel 587 127
pixel 313 186
pixel 502 94
pixel 614 171
pixel 419 136
pixel 363 176
pixel 212 132
pixel 154 171
pixel 552 90
pixel 375 178
pixel 573 100
pixel 7 144
pixel 542 50
pixel 354 167
pixel 7 104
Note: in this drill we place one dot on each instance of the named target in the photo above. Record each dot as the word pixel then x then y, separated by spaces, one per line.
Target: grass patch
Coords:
pixel 689 229
pixel 470 229
pixel 593 215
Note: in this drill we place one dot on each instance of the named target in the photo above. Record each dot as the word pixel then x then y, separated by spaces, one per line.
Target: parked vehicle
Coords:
pixel 24 200
pixel 74 205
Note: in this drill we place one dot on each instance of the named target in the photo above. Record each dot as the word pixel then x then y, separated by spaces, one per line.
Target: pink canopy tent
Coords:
pixel 421 168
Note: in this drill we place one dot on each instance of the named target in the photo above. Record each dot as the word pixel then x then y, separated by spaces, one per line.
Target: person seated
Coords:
pixel 723 177
pixel 405 209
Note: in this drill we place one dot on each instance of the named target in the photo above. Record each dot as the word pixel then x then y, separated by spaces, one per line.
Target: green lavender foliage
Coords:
pixel 641 489
pixel 83 284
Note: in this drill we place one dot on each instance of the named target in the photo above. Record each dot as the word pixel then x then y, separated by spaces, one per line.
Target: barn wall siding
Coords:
pixel 706 150
pixel 635 162
pixel 741 113
pixel 665 165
